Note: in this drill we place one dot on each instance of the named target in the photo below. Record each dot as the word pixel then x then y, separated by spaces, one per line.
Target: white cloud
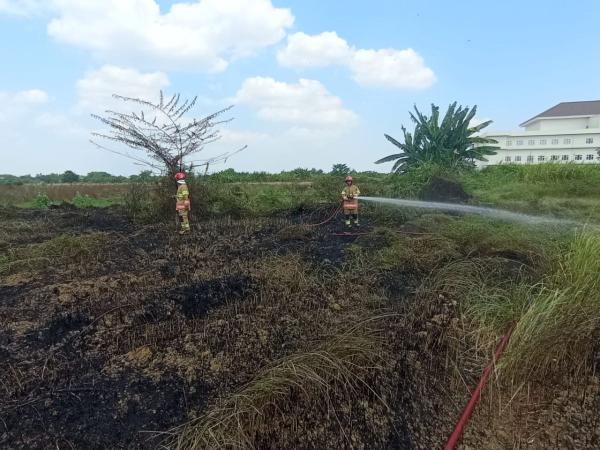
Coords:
pixel 391 68
pixel 305 104
pixel 384 67
pixel 37 137
pixel 16 105
pixel 242 136
pixel 60 124
pixel 23 111
pixel 21 7
pixel 30 97
pixel 95 90
pixel 319 50
pixel 203 35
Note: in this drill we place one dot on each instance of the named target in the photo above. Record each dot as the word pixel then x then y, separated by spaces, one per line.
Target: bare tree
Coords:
pixel 163 133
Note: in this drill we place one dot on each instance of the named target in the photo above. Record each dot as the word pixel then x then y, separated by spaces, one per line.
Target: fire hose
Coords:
pixel 476 395
pixel 468 411
pixel 329 219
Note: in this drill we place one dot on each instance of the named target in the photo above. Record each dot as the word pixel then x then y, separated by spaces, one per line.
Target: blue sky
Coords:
pixel 62 59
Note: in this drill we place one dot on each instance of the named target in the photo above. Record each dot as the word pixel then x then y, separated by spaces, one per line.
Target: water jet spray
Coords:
pixel 469 209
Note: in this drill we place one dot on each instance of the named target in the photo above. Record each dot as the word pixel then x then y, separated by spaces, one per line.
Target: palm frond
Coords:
pixel 389 158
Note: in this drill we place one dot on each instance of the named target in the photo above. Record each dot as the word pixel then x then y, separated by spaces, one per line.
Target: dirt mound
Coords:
pixel 444 190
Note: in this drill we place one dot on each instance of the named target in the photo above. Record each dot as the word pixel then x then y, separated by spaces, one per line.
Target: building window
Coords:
pixel 589 140
pixel 567 141
pixel 530 159
pixel 517 159
pixel 530 142
pixel 507 158
pixel 519 141
pixel 589 157
pixel 554 157
pixel 578 157
pixel 508 143
pixel 542 141
pixel 565 157
pixel 554 141
pixel 541 158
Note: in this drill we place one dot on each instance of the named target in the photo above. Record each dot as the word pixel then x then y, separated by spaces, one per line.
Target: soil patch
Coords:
pixel 444 190
pixel 101 412
pixel 197 299
pixel 60 327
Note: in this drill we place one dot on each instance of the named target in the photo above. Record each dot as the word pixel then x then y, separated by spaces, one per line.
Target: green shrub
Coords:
pixel 229 200
pixel 41 201
pixel 82 201
pixel 139 203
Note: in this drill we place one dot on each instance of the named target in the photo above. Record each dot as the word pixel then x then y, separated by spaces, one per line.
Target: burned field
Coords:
pixel 249 333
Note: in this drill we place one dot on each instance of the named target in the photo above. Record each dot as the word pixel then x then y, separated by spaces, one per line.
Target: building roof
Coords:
pixel 565 109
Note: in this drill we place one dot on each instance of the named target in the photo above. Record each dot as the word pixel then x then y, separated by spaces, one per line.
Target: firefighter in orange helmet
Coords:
pixel 183 203
pixel 350 195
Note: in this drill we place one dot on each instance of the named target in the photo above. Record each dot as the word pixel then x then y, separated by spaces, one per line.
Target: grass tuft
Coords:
pixel 234 422
pixel 61 249
pixel 559 331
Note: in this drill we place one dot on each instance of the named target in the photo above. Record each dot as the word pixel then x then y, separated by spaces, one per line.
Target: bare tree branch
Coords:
pixel 162 132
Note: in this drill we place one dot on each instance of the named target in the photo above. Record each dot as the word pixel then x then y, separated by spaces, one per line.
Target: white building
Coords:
pixel 567 132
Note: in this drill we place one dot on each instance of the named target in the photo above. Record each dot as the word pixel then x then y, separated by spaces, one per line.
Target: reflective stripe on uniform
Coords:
pixel 350 204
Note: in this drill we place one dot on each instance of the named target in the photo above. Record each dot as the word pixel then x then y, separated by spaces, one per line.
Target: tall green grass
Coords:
pixel 559 331
pixel 536 173
pixel 548 282
pixel 557 313
pixel 562 190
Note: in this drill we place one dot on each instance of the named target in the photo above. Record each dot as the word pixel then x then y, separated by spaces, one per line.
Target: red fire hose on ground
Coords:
pixel 464 418
pixel 329 219
pixel 468 411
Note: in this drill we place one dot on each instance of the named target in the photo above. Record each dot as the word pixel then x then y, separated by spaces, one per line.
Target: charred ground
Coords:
pixel 113 334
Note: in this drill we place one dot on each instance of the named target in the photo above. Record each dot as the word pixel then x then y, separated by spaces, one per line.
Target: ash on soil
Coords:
pixel 153 329
pixel 117 348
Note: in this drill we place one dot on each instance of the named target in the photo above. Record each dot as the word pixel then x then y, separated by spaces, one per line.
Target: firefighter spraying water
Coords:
pixel 350 195
pixel 182 205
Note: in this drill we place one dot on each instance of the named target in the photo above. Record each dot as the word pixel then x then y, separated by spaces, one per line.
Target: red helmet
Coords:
pixel 348 178
pixel 179 176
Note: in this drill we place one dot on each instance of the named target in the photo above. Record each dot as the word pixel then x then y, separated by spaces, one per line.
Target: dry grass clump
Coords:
pixel 15 194
pixel 309 377
pixel 65 248
pixel 288 277
pixel 296 232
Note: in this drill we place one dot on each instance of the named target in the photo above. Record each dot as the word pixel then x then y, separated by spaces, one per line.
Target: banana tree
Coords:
pixel 451 143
